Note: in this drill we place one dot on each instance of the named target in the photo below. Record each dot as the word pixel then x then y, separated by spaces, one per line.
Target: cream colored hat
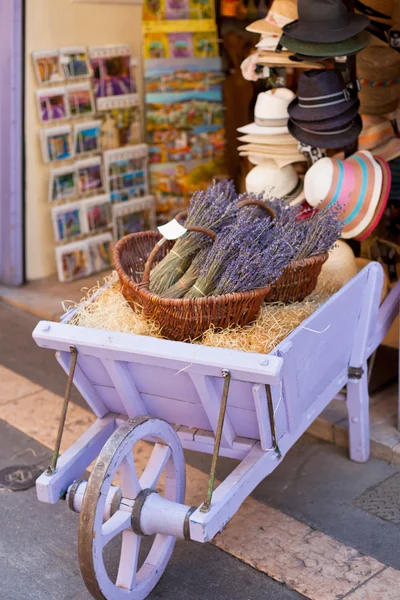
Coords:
pixel 341 265
pixel 270 113
pixel 280 161
pixel 280 14
pixel 285 139
pixel 277 182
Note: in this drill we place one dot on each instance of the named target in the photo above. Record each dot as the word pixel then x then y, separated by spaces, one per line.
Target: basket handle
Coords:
pixel 152 255
pixel 255 202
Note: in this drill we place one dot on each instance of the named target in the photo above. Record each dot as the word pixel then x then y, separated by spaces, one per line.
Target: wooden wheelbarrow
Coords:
pixel 251 407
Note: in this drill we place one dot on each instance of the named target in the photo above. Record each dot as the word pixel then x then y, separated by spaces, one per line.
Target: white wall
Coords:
pixel 51 24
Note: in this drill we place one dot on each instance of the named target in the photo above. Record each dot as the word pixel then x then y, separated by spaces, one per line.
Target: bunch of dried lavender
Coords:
pixel 320 232
pixel 231 241
pixel 179 289
pixel 213 209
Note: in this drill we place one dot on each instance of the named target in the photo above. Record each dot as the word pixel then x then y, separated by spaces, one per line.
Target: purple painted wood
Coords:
pixel 11 140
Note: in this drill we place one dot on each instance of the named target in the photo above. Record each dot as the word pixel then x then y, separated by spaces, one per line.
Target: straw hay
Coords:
pixel 110 311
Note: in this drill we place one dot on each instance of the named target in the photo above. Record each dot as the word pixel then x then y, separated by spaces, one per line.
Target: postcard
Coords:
pixel 113 76
pixel 205 44
pixel 195 74
pixel 47 66
pixel 73 261
pixel 134 216
pixel 180 45
pixel 121 127
pixel 126 172
pixel 52 104
pixel 74 61
pixel 87 137
pixel 80 100
pixel 97 213
pixel 67 221
pixel 153 10
pixel 100 252
pixel 176 9
pixel 63 184
pixel 155 46
pixel 56 143
pixel 90 176
pixel 184 110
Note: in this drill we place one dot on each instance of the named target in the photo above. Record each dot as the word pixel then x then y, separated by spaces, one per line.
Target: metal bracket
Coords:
pixel 186 523
pixel 137 509
pixel 56 452
pixel 218 435
pixel 355 372
pixel 272 420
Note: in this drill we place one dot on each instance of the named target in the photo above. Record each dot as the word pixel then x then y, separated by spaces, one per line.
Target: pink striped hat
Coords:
pixel 354 185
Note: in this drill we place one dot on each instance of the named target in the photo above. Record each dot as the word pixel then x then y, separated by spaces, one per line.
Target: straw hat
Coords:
pixel 341 264
pixel 281 161
pixel 287 59
pixel 378 68
pixel 280 13
pixel 323 49
pixel 278 182
pixel 285 139
pixel 270 113
pixel 386 183
pixel 325 21
pixel 354 185
pixel 375 132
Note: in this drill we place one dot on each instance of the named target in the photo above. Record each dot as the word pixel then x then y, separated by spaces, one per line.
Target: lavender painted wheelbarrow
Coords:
pixel 250 407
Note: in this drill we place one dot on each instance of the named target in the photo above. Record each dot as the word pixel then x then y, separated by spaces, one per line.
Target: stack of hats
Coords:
pixel 268 137
pixel 281 13
pixel 358 187
pixel 325 113
pixel 378 69
pixel 276 182
pixel 325 29
pixel 377 136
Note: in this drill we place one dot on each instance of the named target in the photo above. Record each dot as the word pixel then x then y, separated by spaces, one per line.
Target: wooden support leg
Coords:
pixel 358 412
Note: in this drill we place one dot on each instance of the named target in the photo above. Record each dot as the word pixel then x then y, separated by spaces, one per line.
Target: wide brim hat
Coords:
pixel 281 161
pixel 337 138
pixel 380 209
pixel 285 59
pixel 253 128
pixel 285 139
pixel 280 13
pixel 271 149
pixel 345 48
pixel 375 132
pixel 277 182
pixel 353 185
pixel 331 118
pixel 325 21
pixel 378 69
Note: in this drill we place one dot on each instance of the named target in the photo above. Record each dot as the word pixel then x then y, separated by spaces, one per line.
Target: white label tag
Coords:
pixel 172 230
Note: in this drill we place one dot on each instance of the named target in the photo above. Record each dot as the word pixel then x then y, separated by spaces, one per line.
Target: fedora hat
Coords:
pixel 327 124
pixel 281 161
pixel 386 183
pixel 337 137
pixel 279 182
pixel 378 69
pixel 321 95
pixel 285 139
pixel 375 132
pixel 322 49
pixel 354 185
pixel 280 13
pixel 270 113
pixel 325 21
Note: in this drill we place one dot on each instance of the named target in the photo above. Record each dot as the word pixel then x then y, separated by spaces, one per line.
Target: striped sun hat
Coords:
pixel 354 185
pixel 387 180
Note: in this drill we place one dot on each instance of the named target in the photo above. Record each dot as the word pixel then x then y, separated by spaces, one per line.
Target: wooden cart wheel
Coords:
pixel 133 582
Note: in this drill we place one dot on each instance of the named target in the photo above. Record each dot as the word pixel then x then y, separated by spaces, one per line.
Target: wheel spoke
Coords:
pixel 158 459
pixel 129 480
pixel 128 563
pixel 120 521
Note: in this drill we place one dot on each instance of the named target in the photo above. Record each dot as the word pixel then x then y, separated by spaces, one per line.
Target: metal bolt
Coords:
pixel 225 372
pixel 354 420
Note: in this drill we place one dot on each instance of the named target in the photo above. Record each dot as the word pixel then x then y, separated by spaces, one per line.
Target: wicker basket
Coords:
pixel 298 280
pixel 180 319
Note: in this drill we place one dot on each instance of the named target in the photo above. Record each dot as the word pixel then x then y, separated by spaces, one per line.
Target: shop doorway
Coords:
pixel 11 142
